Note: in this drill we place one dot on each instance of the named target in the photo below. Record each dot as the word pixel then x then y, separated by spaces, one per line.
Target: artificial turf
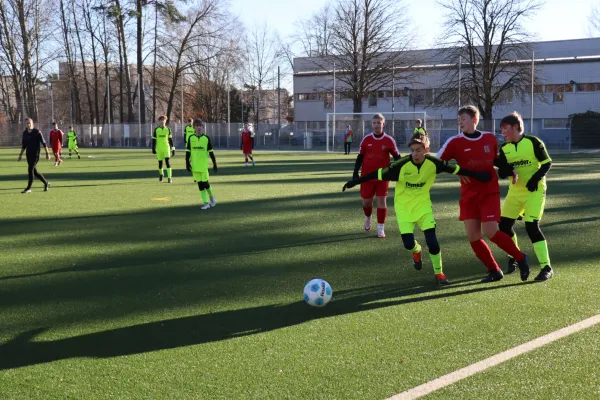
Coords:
pixel 113 285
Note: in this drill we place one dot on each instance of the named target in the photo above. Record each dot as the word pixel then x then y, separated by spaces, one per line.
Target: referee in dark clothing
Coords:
pixel 32 141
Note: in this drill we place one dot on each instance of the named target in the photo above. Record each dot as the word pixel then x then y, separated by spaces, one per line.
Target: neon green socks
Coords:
pixel 541 251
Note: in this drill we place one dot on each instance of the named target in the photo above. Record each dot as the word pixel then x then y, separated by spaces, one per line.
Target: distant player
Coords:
pixel 32 140
pixel 415 175
pixel 375 151
pixel 72 142
pixel 56 139
pixel 189 130
pixel 247 143
pixel 419 130
pixel 196 160
pixel 348 140
pixel 527 156
pixel 480 201
pixel 162 146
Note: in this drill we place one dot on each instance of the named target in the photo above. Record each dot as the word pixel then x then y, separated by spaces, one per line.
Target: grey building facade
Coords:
pixel 569 73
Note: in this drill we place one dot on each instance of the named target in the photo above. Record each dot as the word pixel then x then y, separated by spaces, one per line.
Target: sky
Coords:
pixel 557 20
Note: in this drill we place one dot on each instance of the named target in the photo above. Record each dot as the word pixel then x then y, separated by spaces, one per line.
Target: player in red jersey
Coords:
pixel 56 138
pixel 480 201
pixel 247 143
pixel 375 151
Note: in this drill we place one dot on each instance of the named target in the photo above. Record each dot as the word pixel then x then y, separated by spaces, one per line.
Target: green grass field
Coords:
pixel 113 285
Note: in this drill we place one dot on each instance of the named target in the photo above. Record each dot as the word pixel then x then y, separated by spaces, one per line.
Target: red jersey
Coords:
pixel 377 151
pixel 246 138
pixel 56 137
pixel 476 154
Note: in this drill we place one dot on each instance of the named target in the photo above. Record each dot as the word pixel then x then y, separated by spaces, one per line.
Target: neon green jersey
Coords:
pixel 526 156
pixel 199 148
pixel 189 131
pixel 71 136
pixel 414 182
pixel 162 136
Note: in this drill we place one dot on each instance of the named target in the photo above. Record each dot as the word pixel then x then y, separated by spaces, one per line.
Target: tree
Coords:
pixel 262 55
pixel 595 21
pixel 365 40
pixel 490 39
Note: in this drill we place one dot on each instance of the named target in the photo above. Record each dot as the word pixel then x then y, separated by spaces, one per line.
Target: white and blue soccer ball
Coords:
pixel 317 293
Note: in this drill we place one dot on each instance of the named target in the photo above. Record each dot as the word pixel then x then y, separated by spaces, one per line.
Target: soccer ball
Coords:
pixel 317 293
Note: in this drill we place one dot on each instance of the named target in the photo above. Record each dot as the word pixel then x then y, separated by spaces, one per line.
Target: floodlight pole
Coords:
pixel 532 89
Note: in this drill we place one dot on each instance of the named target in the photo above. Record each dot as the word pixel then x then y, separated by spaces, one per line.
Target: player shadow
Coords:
pixel 134 259
pixel 23 350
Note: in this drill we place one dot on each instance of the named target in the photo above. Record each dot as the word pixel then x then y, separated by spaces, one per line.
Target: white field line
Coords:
pixel 453 377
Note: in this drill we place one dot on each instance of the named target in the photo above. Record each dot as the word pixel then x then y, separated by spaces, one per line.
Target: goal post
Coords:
pixel 399 125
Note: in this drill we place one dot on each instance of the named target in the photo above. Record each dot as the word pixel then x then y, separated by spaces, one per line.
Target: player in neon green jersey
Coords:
pixel 199 149
pixel 72 142
pixel 162 146
pixel 189 130
pixel 525 157
pixel 415 175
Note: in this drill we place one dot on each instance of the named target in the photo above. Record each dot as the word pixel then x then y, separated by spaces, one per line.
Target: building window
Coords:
pixel 558 97
pixel 381 94
pixel 588 87
pixel 372 100
pixel 555 123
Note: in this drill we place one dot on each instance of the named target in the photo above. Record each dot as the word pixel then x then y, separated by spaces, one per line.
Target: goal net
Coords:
pixel 399 125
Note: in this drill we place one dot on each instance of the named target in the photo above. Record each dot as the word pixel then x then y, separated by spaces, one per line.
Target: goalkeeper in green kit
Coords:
pixel 415 175
pixel 199 149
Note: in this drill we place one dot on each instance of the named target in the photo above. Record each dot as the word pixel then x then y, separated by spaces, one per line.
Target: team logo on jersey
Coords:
pixel 486 149
pixel 469 149
pixel 382 147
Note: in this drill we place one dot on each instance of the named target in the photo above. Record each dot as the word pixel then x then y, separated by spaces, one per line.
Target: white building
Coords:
pixel 569 70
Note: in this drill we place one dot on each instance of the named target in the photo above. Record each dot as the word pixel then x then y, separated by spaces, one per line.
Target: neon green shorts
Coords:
pixel 407 225
pixel 531 204
pixel 161 154
pixel 73 146
pixel 200 176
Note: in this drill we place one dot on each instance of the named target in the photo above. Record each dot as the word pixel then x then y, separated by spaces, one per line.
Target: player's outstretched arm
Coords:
pixel 357 165
pixel 389 173
pixel 443 166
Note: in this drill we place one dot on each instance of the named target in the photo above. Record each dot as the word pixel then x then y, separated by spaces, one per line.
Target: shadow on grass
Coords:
pixel 188 331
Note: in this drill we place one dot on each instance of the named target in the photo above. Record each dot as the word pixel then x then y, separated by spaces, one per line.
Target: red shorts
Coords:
pixel 56 148
pixel 247 149
pixel 374 188
pixel 484 207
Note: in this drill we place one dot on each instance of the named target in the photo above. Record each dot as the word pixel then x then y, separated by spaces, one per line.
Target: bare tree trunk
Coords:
pixel 140 60
pixel 8 47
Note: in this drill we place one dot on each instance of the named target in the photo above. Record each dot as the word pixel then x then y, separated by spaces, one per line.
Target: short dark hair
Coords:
pixel 191 120
pixel 513 119
pixel 162 117
pixel 198 122
pixel 419 138
pixel 378 116
pixel 419 121
pixel 471 111
pixel 54 123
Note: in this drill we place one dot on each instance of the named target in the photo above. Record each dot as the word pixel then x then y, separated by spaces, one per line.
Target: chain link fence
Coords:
pixel 561 135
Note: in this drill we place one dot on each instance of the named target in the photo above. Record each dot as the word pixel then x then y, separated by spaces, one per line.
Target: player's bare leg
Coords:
pixel 368 210
pixel 381 214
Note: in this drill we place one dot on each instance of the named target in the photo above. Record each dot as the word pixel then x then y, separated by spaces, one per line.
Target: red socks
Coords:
pixel 381 213
pixel 368 211
pixel 246 158
pixel 483 252
pixel 502 240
